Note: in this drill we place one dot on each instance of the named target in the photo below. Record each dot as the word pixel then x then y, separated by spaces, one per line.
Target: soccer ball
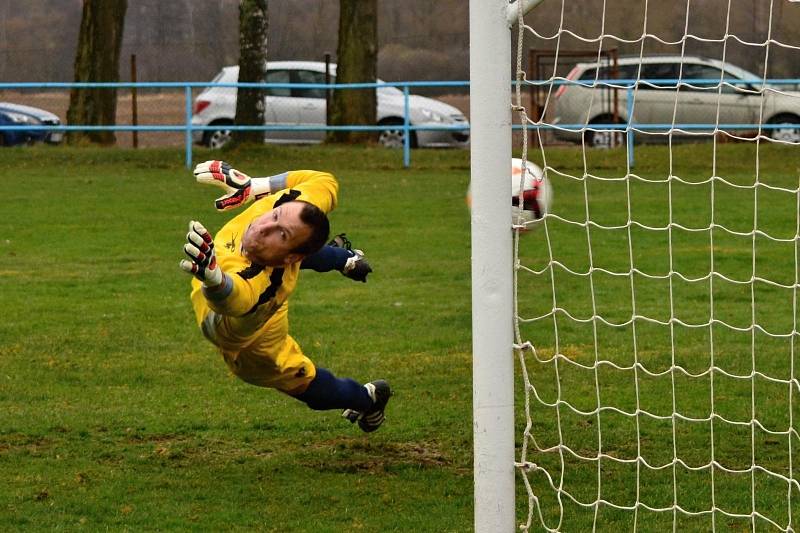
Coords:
pixel 537 194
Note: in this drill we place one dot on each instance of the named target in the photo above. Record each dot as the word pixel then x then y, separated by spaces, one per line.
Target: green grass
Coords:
pixel 116 414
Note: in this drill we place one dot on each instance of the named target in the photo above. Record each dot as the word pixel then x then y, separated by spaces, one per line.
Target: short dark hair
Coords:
pixel 316 219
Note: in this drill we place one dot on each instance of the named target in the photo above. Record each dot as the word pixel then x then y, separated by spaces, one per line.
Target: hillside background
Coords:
pixel 189 40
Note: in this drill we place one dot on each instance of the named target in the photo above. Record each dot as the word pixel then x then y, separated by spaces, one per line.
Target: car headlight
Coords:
pixel 20 118
pixel 433 116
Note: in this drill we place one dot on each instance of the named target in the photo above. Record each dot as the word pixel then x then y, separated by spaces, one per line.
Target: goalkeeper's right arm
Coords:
pixel 202 262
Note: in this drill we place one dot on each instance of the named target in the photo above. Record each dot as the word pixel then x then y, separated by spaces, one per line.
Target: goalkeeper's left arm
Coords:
pixel 239 187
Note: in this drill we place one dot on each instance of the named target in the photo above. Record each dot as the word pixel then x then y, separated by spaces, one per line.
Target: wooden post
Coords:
pixel 134 110
pixel 327 91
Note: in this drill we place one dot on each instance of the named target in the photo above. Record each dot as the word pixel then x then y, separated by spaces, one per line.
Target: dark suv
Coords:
pixel 22 115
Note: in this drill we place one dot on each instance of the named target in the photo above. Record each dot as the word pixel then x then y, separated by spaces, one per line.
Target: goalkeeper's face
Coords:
pixel 271 239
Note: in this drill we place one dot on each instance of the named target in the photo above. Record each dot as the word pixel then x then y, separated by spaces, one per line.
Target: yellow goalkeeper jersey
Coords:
pixel 258 292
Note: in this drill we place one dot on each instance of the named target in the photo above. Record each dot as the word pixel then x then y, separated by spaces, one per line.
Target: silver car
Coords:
pixel 655 103
pixel 292 107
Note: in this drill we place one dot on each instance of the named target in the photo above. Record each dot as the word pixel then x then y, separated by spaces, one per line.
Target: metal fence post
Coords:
pixel 406 130
pixel 188 93
pixel 629 132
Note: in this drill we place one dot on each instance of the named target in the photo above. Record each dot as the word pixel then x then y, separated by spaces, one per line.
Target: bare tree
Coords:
pixel 97 60
pixel 357 63
pixel 253 24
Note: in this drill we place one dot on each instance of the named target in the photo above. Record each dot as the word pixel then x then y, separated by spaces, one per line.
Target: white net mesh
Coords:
pixel 656 303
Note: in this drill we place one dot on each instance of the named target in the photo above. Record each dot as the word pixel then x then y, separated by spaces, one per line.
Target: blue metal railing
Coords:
pixel 188 128
pixel 627 85
pixel 756 88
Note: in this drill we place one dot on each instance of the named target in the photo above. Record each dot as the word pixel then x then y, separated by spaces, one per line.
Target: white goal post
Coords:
pixel 492 326
pixel 493 364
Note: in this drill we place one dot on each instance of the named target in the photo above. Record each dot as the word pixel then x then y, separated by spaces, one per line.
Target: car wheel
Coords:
pixel 789 133
pixel 217 138
pixel 604 139
pixel 394 137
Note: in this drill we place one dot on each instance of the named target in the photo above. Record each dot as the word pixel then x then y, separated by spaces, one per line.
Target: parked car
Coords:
pixel 655 103
pixel 216 106
pixel 20 115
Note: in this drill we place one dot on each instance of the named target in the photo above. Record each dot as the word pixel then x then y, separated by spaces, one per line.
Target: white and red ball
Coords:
pixel 537 194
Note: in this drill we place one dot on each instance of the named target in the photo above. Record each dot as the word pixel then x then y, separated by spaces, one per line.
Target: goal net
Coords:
pixel 656 304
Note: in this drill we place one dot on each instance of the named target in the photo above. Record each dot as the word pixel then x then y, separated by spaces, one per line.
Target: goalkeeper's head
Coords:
pixel 286 234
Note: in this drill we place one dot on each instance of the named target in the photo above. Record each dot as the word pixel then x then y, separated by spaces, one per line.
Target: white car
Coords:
pixel 292 107
pixel 737 103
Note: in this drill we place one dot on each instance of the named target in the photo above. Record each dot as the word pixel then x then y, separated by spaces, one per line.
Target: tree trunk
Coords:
pixel 253 24
pixel 357 63
pixel 97 60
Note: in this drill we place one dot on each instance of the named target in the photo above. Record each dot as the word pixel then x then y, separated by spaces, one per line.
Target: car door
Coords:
pixel 655 96
pixel 280 108
pixel 310 103
pixel 697 103
pixel 610 97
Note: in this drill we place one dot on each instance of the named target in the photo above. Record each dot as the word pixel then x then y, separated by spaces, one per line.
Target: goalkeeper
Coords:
pixel 244 277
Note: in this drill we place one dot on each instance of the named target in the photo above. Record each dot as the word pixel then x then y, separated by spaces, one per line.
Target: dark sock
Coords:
pixel 329 392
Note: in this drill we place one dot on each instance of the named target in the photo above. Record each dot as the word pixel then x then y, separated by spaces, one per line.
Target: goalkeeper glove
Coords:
pixel 356 267
pixel 202 261
pixel 240 187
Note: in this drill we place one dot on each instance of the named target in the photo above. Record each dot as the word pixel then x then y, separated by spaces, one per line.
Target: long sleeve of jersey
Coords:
pixel 250 288
pixel 311 182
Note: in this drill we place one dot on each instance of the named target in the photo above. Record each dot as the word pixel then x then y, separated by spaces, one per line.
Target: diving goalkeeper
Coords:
pixel 245 276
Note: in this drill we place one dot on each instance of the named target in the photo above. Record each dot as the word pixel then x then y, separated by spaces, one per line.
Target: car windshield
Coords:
pixel 389 90
pixel 742 74
pixel 630 71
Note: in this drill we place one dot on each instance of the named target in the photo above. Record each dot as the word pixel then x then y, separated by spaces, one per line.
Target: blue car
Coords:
pixel 20 115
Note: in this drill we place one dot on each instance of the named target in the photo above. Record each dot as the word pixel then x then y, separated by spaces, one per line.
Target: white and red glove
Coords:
pixel 202 262
pixel 237 185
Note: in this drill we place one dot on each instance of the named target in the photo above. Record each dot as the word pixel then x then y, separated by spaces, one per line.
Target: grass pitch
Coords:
pixel 116 414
